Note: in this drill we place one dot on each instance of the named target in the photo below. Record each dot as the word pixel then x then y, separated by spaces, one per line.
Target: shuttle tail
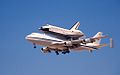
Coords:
pixel 75 26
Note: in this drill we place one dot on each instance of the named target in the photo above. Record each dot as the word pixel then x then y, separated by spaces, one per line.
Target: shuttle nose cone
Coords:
pixel 40 28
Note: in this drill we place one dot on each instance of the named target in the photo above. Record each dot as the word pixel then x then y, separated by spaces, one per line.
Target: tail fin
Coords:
pixel 97 41
pixel 75 26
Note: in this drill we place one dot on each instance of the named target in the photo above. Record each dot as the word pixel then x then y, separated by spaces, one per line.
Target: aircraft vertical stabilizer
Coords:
pixel 97 41
pixel 75 26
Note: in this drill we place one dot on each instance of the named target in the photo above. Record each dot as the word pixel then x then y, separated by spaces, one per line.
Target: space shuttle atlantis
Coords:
pixel 72 32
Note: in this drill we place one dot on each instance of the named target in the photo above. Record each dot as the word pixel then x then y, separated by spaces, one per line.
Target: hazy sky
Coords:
pixel 19 18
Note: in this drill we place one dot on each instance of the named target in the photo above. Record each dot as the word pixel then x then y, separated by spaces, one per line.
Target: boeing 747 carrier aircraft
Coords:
pixel 62 40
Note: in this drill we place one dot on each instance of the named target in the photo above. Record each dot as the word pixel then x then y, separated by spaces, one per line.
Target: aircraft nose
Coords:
pixel 44 28
pixel 40 28
pixel 27 37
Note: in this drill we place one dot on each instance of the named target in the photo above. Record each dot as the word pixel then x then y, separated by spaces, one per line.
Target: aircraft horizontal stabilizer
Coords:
pixel 102 45
pixel 99 37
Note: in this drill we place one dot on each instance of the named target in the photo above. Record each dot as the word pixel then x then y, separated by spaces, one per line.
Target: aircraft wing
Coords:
pixel 63 43
pixel 57 43
pixel 101 45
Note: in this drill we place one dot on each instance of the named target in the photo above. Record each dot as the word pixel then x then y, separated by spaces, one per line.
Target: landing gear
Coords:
pixel 57 53
pixel 42 49
pixel 68 51
pixel 90 51
pixel 34 45
pixel 64 52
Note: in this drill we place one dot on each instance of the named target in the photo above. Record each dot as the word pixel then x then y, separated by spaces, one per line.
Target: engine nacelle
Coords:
pixel 88 40
pixel 68 43
pixel 45 50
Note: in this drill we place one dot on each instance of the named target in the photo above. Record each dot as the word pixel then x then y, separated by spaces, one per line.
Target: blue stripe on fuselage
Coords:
pixel 47 39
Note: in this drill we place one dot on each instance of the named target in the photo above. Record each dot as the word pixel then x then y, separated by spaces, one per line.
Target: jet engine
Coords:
pixel 45 50
pixel 88 40
pixel 68 43
pixel 84 41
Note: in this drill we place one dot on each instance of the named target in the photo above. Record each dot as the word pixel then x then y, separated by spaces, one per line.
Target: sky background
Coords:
pixel 19 18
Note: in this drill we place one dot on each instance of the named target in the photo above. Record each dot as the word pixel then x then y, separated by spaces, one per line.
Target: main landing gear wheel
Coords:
pixel 90 51
pixel 64 52
pixel 34 45
pixel 57 53
pixel 68 51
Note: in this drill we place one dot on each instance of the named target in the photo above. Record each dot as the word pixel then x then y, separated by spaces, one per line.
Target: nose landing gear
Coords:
pixel 34 45
pixel 57 53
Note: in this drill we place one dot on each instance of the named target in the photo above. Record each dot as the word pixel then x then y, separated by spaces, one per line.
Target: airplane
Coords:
pixel 61 43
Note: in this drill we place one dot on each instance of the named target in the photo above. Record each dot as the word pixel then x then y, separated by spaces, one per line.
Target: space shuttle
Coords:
pixel 72 32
